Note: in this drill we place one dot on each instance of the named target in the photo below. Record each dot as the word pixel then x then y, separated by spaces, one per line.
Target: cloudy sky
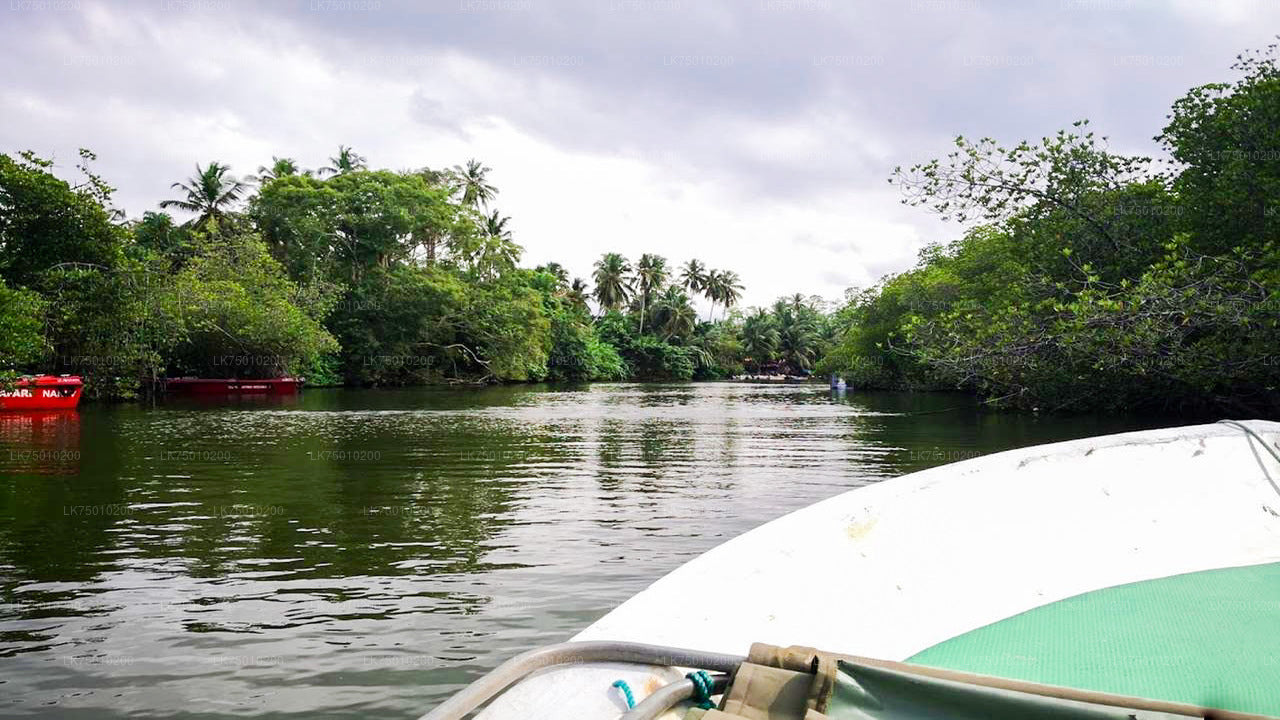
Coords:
pixel 756 135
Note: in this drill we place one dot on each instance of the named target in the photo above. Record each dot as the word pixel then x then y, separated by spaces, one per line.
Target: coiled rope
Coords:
pixel 702 686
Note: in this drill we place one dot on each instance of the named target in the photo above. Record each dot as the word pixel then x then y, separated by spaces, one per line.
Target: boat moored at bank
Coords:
pixel 231 386
pixel 42 392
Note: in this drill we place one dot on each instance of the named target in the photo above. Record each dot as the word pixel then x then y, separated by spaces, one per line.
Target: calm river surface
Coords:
pixel 364 553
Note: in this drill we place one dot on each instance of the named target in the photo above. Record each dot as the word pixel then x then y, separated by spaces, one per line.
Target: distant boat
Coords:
pixel 1123 576
pixel 43 392
pixel 231 386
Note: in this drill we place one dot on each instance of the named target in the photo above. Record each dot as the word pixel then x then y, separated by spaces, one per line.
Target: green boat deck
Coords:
pixel 1208 638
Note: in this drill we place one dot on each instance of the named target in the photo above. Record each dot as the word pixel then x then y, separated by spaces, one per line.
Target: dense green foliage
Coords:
pixel 344 275
pixel 21 331
pixel 1091 279
pixel 1095 281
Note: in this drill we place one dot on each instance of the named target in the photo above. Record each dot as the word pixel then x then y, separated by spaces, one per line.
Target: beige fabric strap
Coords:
pixel 761 692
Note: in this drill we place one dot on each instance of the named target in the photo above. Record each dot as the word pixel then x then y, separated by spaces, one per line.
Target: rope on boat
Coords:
pixel 702 687
pixel 626 692
pixel 1261 441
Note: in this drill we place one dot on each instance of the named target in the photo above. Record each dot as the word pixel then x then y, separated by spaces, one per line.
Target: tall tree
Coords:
pixel 797 332
pixel 759 337
pixel 651 274
pixel 210 194
pixel 495 226
pixel 344 162
pixel 577 295
pixel 473 181
pixel 730 289
pixel 694 276
pixel 673 315
pixel 723 287
pixel 557 271
pixel 611 276
pixel 45 221
pixel 280 167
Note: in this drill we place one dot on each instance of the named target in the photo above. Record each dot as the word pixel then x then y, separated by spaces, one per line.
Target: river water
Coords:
pixel 364 553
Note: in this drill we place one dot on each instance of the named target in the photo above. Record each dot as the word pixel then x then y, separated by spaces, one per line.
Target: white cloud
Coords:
pixel 773 167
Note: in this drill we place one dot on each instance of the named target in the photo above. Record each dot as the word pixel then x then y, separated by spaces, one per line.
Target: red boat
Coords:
pixel 43 392
pixel 231 386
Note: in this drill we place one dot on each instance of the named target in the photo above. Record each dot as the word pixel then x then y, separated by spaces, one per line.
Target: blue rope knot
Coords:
pixel 626 692
pixel 702 687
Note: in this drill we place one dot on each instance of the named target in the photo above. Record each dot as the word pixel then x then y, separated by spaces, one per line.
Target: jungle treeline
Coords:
pixel 1092 280
pixel 1085 279
pixel 346 275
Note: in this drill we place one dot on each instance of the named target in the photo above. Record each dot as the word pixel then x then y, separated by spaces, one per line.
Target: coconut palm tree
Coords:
pixel 577 295
pixel 492 251
pixel 797 332
pixel 210 193
pixel 729 289
pixel 472 180
pixel 280 167
pixel 674 316
pixel 495 226
pixel 344 162
pixel 759 337
pixel 651 274
pixel 724 287
pixel 557 271
pixel 612 281
pixel 694 276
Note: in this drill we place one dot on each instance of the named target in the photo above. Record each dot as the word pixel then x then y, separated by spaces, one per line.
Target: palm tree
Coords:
pixel 729 289
pixel 557 271
pixel 612 284
pixel 439 178
pixel 495 226
pixel 344 162
pixel 476 191
pixel 759 337
pixel 210 193
pixel 651 273
pixel 577 295
pixel 797 332
pixel 493 251
pixel 280 167
pixel 694 276
pixel 673 313
pixel 722 286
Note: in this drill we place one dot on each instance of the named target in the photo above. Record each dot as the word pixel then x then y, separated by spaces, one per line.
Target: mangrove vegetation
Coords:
pixel 1090 279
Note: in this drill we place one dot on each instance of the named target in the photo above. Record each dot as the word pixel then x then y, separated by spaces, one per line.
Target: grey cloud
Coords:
pixel 871 84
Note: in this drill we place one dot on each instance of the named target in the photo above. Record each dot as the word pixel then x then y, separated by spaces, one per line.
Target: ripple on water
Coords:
pixel 366 553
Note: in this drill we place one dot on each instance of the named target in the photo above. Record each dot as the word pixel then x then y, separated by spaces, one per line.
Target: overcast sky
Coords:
pixel 755 135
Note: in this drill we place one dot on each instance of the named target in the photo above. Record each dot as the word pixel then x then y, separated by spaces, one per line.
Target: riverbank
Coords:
pixel 775 379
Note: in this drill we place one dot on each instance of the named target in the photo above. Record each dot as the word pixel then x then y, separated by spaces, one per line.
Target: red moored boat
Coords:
pixel 43 392
pixel 231 386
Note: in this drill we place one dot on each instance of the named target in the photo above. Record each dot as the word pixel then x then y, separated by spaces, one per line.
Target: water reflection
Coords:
pixel 360 553
pixel 40 442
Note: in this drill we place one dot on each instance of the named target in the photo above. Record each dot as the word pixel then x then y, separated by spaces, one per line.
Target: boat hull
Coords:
pixel 43 393
pixel 231 386
pixel 893 569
